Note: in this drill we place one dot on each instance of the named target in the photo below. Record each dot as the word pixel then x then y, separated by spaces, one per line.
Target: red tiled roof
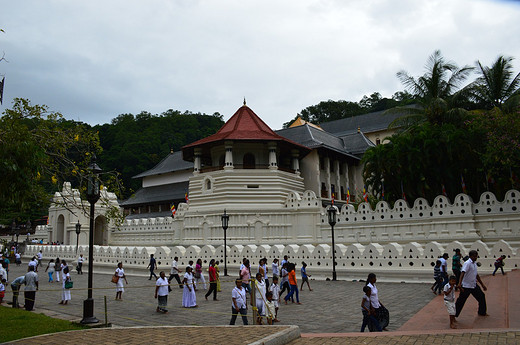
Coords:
pixel 244 125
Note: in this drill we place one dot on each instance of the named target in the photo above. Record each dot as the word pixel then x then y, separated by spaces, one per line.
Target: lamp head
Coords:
pixel 225 220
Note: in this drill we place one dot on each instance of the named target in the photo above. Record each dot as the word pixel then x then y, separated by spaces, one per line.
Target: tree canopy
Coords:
pixel 461 139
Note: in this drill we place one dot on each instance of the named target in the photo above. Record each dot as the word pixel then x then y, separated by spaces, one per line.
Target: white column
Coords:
pixel 338 180
pixel 196 162
pixel 228 165
pixel 273 164
pixel 327 176
pixel 296 162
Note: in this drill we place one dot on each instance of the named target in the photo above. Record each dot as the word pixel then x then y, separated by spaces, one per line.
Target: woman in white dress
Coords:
pixel 65 294
pixel 189 299
pixel 120 272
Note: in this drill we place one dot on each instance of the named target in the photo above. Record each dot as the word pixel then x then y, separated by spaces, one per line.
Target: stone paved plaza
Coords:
pixel 331 307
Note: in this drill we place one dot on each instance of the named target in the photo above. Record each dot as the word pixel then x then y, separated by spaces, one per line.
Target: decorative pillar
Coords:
pixel 296 162
pixel 197 163
pixel 347 182
pixel 228 164
pixel 338 180
pixel 273 164
pixel 327 177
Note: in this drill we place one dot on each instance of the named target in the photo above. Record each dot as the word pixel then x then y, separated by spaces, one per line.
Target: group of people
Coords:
pixel 192 278
pixel 267 296
pixel 465 279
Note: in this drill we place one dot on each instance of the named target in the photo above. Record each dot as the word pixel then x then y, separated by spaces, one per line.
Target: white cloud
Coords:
pixel 94 60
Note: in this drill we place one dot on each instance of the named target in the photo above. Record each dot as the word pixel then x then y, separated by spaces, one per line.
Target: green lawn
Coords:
pixel 18 323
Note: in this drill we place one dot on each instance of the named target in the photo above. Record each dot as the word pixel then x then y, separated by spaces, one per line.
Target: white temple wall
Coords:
pixel 399 243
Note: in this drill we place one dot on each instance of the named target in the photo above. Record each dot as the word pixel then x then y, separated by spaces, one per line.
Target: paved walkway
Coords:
pixel 329 315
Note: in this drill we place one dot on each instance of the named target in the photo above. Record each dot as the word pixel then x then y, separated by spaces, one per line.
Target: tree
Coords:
pixel 496 84
pixel 39 150
pixel 437 91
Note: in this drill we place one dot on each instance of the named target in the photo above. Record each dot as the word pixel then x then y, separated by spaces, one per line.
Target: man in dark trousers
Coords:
pixel 31 286
pixel 152 265
pixel 468 285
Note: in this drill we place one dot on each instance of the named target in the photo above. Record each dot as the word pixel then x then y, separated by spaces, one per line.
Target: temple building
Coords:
pixel 247 160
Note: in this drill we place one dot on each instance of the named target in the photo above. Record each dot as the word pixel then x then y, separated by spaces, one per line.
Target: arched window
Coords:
pixel 208 184
pixel 249 161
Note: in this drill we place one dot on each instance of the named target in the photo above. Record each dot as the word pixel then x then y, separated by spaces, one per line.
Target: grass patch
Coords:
pixel 19 323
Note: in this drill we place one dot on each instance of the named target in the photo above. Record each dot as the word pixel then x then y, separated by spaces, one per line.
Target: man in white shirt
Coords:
pixel 40 255
pixel 238 303
pixel 444 268
pixel 468 285
pixel 161 292
pixel 174 273
pixel 80 264
pixel 31 286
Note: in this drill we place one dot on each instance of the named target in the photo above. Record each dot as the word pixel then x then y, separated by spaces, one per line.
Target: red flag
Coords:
pixel 444 191
pixel 348 195
pixel 186 197
pixel 173 210
pixel 365 195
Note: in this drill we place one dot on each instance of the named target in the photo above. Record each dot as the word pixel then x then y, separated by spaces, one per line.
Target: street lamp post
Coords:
pixel 93 194
pixel 331 212
pixel 78 231
pixel 13 231
pixel 225 223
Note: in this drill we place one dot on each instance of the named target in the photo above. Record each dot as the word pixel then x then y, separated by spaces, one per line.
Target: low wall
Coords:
pixel 411 262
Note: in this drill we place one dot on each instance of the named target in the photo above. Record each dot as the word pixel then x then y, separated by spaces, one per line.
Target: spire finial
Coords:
pixel 244 101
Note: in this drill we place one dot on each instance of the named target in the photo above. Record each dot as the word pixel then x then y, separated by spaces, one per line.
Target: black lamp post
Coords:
pixel 78 231
pixel 92 197
pixel 225 222
pixel 331 212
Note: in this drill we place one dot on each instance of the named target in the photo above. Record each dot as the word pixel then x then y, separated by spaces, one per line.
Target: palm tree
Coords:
pixel 437 91
pixel 496 84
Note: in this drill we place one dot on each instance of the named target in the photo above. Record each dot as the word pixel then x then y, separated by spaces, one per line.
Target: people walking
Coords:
pixel 120 273
pixel 57 269
pixel 217 269
pixel 238 303
pixel 245 276
pixel 174 272
pixel 305 276
pixel 161 292
pixel 293 284
pixel 31 286
pixel 65 294
pixel 499 263
pixel 284 282
pixel 212 280
pixel 368 311
pixel 456 264
pixel 80 264
pixel 379 309
pixel 51 267
pixel 199 275
pixel 189 298
pixel 468 285
pixel 260 296
pixel 152 266
pixel 444 269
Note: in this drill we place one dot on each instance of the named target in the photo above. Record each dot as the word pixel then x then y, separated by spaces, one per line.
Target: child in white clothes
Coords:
pixel 269 307
pixel 449 299
pixel 275 290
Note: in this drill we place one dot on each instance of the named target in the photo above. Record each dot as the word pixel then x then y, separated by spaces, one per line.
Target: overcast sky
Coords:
pixel 93 60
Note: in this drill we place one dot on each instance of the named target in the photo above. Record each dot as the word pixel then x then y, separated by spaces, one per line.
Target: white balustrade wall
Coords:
pixel 400 243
